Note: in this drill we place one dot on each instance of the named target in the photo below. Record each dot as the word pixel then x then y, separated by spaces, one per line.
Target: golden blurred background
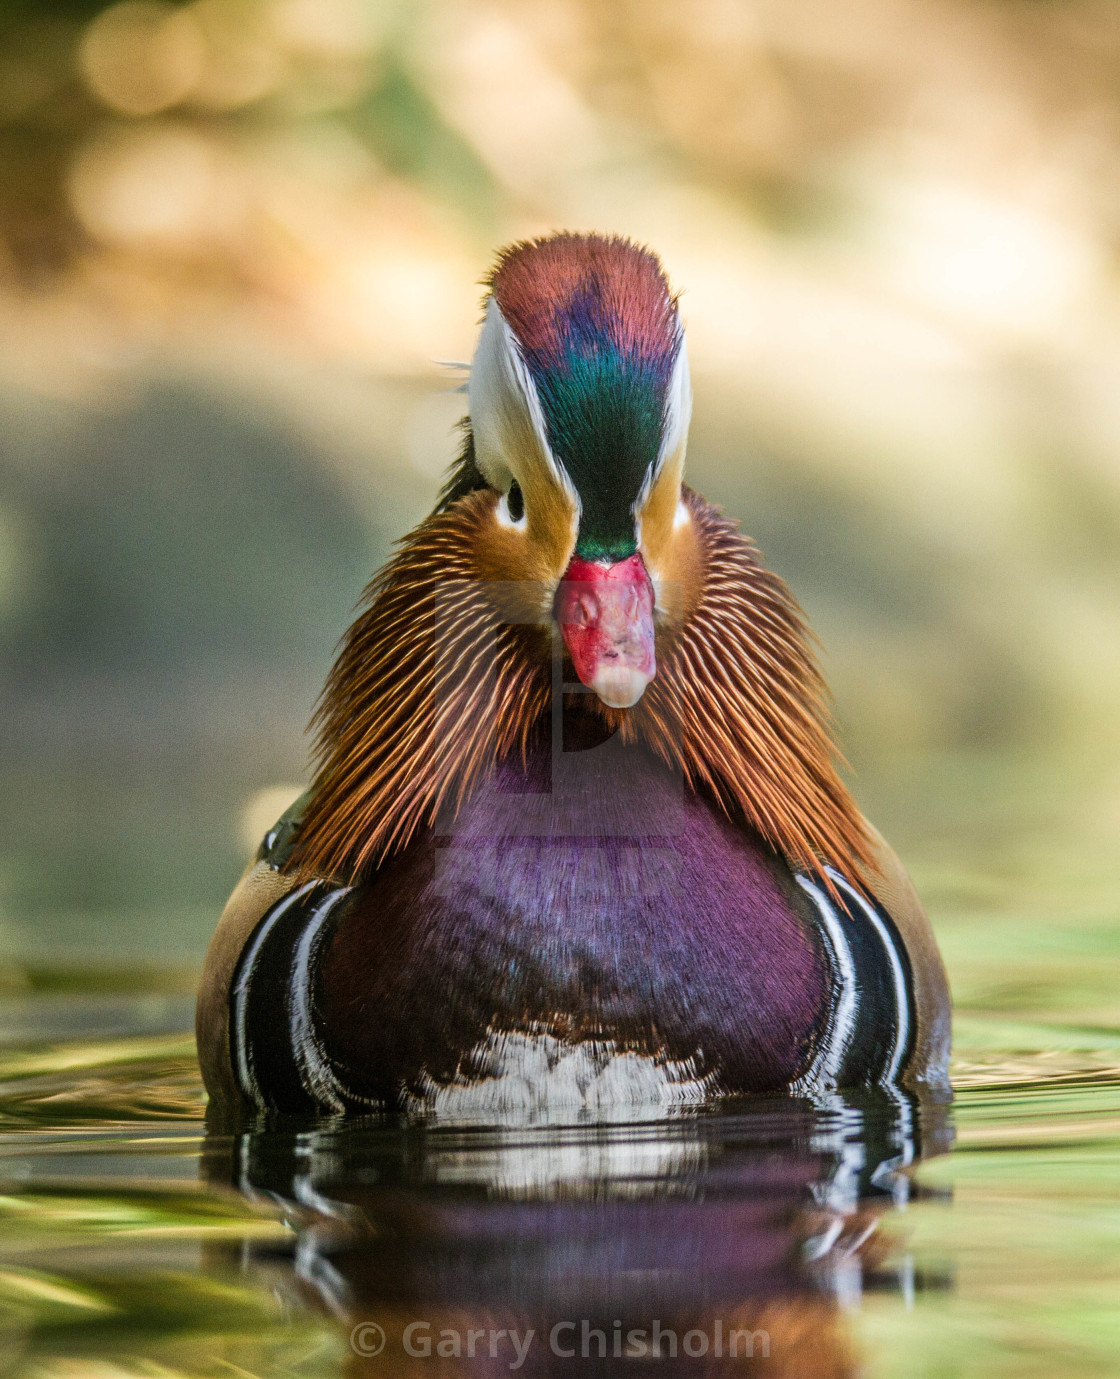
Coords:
pixel 235 235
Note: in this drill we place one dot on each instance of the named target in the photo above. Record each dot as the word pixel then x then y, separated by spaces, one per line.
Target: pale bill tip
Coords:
pixel 620 687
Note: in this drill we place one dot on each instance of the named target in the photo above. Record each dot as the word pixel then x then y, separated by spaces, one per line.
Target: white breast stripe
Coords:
pixel 902 1026
pixel 826 1066
pixel 315 1071
pixel 245 1074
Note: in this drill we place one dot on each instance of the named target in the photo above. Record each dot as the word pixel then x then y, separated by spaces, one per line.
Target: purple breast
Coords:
pixel 590 895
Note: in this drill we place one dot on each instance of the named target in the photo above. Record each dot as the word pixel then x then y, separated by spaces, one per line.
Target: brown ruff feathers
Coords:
pixel 738 705
pixel 420 703
pixel 430 689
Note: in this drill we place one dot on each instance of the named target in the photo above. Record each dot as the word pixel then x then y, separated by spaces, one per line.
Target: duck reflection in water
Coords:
pixel 735 1239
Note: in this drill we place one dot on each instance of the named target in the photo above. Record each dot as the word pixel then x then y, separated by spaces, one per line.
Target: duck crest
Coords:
pixel 573 292
pixel 446 673
pixel 597 328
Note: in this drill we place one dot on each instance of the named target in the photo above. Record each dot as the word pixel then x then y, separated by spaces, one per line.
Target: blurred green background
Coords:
pixel 235 234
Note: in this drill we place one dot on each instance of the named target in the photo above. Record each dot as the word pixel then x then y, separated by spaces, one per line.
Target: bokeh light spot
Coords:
pixel 156 185
pixel 141 57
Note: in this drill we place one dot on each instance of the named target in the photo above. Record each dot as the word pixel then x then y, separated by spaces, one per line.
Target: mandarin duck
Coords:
pixel 576 836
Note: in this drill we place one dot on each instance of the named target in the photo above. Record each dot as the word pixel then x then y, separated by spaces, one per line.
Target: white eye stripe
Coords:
pixel 505 409
pixel 678 407
pixel 677 414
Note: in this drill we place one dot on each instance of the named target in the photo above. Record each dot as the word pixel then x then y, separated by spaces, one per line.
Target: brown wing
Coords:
pixel 258 890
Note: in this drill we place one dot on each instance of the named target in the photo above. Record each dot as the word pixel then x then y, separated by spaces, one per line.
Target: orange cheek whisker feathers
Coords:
pixel 431 688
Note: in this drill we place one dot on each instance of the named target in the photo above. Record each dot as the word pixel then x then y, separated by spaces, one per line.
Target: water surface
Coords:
pixel 869 1234
pixel 135 1242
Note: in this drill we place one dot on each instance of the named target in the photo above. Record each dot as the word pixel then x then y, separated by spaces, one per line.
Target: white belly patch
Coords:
pixel 537 1075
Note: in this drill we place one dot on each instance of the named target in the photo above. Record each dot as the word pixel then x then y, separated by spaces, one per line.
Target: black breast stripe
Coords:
pixel 871 1031
pixel 274 1047
pixel 900 975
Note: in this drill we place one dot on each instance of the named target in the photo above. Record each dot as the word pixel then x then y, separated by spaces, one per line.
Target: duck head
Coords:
pixel 579 408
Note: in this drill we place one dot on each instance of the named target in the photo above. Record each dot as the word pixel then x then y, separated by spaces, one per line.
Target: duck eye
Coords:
pixel 515 502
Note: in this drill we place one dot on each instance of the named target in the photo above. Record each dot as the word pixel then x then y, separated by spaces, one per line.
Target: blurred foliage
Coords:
pixel 235 233
pixel 226 540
